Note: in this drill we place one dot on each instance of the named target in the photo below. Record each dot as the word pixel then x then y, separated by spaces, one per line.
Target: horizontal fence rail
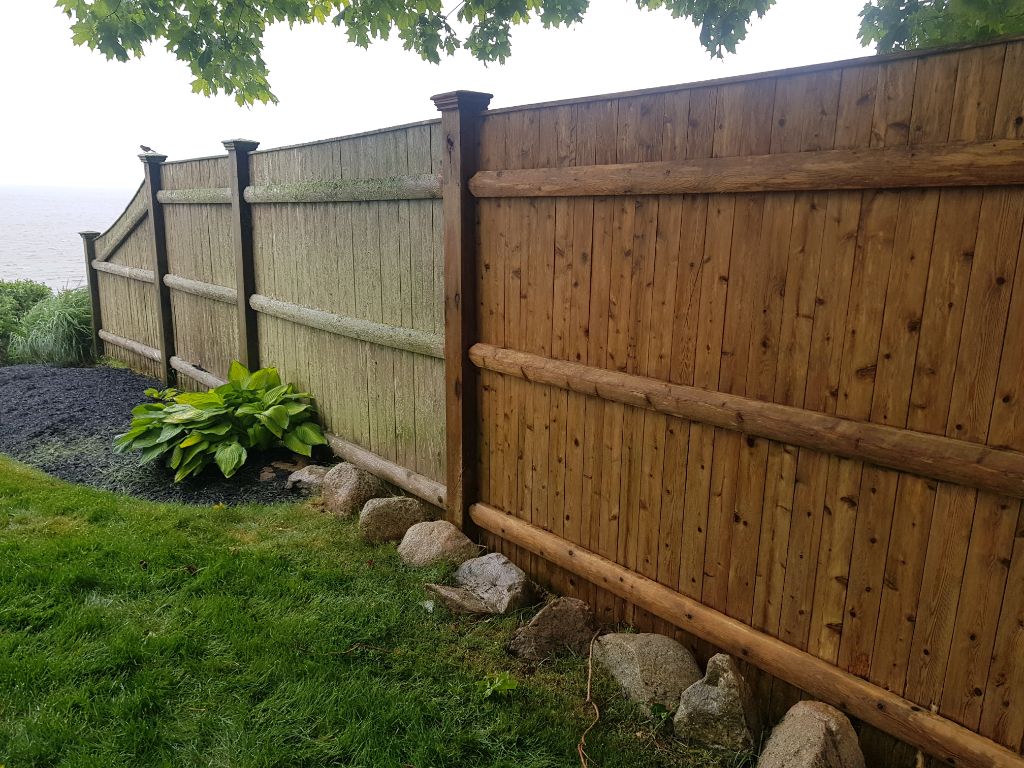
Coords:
pixel 131 273
pixel 422 187
pixel 216 196
pixel 934 456
pixel 407 339
pixel 988 164
pixel 203 290
pixel 146 351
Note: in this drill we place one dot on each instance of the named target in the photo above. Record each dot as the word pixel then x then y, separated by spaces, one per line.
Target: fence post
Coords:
pixel 461 113
pixel 245 276
pixel 165 321
pixel 92 281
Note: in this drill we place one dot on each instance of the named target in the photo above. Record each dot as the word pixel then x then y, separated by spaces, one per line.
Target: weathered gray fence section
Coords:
pixel 339 263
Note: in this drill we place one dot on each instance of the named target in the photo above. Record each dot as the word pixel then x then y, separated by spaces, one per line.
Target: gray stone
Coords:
pixel 651 668
pixel 388 519
pixel 434 542
pixel 488 584
pixel 718 710
pixel 308 479
pixel 812 735
pixel 563 625
pixel 346 488
pixel 459 599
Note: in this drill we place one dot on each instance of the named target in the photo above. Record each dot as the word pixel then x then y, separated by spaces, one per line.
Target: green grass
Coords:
pixel 55 331
pixel 138 634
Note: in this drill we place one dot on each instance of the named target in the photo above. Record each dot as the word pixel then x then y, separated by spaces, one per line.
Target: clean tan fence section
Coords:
pixel 760 343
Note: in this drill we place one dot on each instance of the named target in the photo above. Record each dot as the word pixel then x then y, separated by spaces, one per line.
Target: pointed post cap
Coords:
pixel 89 234
pixel 152 158
pixel 240 145
pixel 464 101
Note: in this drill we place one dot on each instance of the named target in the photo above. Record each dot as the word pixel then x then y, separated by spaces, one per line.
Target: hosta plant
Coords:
pixel 251 412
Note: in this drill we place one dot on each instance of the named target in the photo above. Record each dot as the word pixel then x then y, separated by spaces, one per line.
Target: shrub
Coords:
pixel 16 298
pixel 56 331
pixel 252 411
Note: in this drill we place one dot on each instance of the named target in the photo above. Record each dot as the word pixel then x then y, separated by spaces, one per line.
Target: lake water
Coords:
pixel 39 229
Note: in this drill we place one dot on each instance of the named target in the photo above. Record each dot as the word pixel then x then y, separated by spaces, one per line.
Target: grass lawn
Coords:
pixel 145 634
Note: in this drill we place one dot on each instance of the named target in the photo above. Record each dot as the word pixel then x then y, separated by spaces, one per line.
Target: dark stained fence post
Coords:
pixel 165 321
pixel 460 124
pixel 245 276
pixel 92 280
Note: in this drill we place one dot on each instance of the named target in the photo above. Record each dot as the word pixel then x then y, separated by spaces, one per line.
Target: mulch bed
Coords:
pixel 63 420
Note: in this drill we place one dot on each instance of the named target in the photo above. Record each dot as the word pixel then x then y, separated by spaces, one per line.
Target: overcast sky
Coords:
pixel 71 118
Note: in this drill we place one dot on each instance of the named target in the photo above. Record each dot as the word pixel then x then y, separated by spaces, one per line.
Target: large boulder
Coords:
pixel 488 584
pixel 718 711
pixel 812 735
pixel 651 668
pixel 346 488
pixel 435 542
pixel 388 519
pixel 308 479
pixel 563 625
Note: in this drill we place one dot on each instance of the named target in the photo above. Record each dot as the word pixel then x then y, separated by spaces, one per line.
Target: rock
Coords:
pixel 346 488
pixel 308 479
pixel 564 624
pixel 459 599
pixel 718 710
pixel 434 542
pixel 267 473
pixel 388 519
pixel 651 668
pixel 488 584
pixel 812 735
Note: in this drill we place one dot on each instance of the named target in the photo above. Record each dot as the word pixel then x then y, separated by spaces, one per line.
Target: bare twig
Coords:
pixel 581 747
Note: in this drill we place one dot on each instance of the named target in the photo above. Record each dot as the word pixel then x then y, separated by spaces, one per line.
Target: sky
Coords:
pixel 71 118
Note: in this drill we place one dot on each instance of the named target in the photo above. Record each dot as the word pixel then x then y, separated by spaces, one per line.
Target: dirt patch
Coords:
pixel 62 420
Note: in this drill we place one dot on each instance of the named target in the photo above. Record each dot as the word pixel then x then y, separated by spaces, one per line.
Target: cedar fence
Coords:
pixel 741 361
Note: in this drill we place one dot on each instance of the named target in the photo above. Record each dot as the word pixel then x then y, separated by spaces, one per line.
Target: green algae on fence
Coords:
pixel 419 187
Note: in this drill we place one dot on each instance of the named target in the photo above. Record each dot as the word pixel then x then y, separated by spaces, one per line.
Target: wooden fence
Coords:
pixel 322 259
pixel 742 360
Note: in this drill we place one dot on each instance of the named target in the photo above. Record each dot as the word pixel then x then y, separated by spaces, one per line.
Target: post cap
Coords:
pixel 464 101
pixel 240 145
pixel 89 234
pixel 152 158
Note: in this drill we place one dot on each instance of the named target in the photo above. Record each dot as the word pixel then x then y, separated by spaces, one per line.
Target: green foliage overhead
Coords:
pixel 17 297
pixel 192 430
pixel 897 25
pixel 56 331
pixel 222 40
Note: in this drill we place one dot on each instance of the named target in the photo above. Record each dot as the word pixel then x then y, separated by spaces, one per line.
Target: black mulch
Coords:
pixel 63 420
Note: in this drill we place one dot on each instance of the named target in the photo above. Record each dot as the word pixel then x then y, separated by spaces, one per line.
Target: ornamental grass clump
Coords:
pixel 224 426
pixel 17 297
pixel 56 331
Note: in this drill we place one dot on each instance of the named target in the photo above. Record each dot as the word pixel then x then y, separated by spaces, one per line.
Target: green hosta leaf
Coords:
pixel 269 423
pixel 218 430
pixel 310 433
pixel 271 396
pixel 200 399
pixel 279 414
pixel 230 457
pixel 151 454
pixel 176 456
pixel 296 408
pixel 264 378
pixel 193 439
pixel 293 443
pixel 238 373
pixel 147 409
